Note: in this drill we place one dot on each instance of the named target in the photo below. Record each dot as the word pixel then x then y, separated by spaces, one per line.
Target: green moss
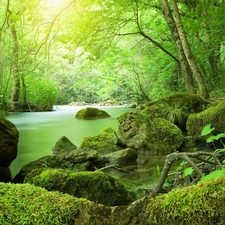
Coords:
pixel 214 115
pixel 91 113
pixel 195 205
pixel 164 134
pixel 106 139
pixel 27 204
pixel 94 186
pixel 192 102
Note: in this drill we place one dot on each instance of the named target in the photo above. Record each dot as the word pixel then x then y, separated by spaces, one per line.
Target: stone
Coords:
pixel 9 137
pixel 157 136
pixel 91 113
pixel 105 142
pixel 214 115
pixel 94 186
pixel 63 146
pixel 123 157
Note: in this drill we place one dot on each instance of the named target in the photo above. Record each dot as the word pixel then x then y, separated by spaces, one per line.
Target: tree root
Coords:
pixel 204 157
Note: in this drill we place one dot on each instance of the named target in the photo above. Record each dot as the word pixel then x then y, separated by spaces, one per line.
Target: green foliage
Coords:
pixel 42 92
pixel 213 175
pixel 187 172
pixel 175 113
pixel 207 130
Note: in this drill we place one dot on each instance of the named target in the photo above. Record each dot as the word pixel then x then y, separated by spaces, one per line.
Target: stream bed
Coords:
pixel 39 131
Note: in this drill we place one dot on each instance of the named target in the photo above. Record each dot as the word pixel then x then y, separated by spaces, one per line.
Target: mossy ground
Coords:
pixel 196 205
pixel 29 205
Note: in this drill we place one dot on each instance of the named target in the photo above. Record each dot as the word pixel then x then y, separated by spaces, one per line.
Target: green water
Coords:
pixel 39 131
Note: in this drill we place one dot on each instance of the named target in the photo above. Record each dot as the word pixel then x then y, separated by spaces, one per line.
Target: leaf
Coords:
pixel 213 175
pixel 187 171
pixel 218 136
pixel 210 139
pixel 207 130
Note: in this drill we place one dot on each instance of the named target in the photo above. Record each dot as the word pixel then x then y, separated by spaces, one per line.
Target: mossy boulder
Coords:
pixel 176 108
pixel 214 115
pixel 158 136
pixel 23 204
pixel 63 146
pixel 192 102
pixel 105 142
pixel 91 113
pixel 94 186
pixel 196 205
pixel 77 160
pixel 9 137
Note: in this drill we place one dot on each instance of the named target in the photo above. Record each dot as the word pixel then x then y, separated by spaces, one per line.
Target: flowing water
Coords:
pixel 39 131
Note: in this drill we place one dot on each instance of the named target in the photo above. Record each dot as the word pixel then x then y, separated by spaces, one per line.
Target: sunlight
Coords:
pixel 54 3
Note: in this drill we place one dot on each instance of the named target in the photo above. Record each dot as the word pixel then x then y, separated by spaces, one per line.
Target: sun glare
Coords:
pixel 54 3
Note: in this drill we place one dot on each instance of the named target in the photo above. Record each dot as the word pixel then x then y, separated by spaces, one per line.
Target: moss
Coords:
pixel 214 115
pixel 164 134
pixel 94 186
pixel 91 113
pixel 195 205
pixel 27 204
pixel 192 102
pixel 106 139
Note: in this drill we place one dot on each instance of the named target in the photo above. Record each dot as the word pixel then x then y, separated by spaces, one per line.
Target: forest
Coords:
pixel 59 51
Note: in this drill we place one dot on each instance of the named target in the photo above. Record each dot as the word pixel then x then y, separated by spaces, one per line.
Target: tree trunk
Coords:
pixel 187 51
pixel 188 78
pixel 15 70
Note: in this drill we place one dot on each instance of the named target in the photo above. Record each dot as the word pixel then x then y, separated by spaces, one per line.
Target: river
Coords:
pixel 39 131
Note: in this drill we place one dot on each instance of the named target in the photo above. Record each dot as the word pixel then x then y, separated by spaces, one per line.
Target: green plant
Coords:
pixel 207 130
pixel 175 114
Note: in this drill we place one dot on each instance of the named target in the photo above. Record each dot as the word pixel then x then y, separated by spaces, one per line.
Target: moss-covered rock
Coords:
pixel 9 137
pixel 200 204
pixel 158 136
pixel 27 204
pixel 91 113
pixel 214 115
pixel 94 186
pixel 105 142
pixel 192 102
pixel 176 108
pixel 63 146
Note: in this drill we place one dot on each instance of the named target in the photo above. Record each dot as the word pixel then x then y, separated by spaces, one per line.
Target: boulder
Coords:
pixel 198 204
pixel 95 186
pixel 9 137
pixel 176 108
pixel 105 142
pixel 123 157
pixel 214 115
pixel 91 113
pixel 76 160
pixel 158 136
pixel 191 102
pixel 63 146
